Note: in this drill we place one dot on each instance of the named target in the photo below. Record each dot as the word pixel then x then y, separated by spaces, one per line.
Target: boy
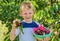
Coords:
pixel 27 12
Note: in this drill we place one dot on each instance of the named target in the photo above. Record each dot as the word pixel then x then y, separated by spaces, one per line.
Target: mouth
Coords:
pixel 28 18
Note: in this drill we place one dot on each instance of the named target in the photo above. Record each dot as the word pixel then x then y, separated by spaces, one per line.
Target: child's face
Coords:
pixel 27 14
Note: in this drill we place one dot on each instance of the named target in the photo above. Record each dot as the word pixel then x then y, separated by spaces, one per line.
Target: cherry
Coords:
pixel 18 24
pixel 47 31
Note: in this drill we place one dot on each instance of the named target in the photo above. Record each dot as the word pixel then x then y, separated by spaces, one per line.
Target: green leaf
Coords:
pixel 21 29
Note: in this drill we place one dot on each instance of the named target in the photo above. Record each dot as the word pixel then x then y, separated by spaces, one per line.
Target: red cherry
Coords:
pixel 41 27
pixel 18 24
pixel 47 31
pixel 40 33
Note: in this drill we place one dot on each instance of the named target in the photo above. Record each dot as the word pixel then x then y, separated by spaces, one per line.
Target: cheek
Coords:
pixel 32 15
pixel 23 16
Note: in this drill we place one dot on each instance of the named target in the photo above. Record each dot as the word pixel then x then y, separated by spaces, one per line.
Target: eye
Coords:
pixel 25 13
pixel 30 13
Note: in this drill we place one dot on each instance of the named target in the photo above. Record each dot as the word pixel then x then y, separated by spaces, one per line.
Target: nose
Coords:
pixel 28 15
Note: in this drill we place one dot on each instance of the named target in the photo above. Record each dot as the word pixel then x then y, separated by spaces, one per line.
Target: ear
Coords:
pixel 20 13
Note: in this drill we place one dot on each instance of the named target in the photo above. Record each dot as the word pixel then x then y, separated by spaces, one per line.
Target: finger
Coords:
pixel 14 21
pixel 17 20
pixel 47 39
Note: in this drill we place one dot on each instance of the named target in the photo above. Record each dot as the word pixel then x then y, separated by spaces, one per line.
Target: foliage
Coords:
pixel 47 13
pixel 3 31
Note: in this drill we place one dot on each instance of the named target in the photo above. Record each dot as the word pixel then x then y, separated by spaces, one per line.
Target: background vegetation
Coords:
pixel 47 13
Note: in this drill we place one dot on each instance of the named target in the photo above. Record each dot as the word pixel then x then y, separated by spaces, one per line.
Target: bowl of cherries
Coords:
pixel 42 32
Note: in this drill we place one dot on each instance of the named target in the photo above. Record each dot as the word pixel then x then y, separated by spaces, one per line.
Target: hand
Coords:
pixel 15 21
pixel 47 39
pixel 39 39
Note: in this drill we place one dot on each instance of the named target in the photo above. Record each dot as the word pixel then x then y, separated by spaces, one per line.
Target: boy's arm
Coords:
pixel 12 33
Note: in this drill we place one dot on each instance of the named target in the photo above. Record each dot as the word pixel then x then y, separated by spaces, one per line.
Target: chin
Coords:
pixel 28 19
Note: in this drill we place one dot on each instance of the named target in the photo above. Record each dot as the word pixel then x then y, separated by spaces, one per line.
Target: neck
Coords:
pixel 30 21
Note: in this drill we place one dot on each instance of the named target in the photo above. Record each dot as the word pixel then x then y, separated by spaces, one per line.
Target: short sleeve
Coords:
pixel 37 23
pixel 17 31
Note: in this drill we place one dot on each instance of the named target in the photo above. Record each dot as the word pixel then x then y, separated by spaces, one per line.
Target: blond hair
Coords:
pixel 27 5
